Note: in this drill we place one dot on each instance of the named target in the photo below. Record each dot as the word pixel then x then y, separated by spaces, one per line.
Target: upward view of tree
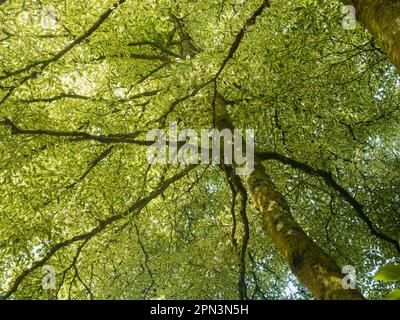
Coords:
pixel 82 83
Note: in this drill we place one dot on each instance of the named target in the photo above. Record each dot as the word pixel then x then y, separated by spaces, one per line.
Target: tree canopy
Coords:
pixel 82 82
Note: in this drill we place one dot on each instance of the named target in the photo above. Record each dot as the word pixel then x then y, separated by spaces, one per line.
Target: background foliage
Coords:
pixel 310 89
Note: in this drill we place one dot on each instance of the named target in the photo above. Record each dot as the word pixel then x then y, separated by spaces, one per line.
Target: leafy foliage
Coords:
pixel 391 273
pixel 76 98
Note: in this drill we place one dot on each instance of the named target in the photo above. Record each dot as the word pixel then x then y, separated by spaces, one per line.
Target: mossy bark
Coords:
pixel 382 19
pixel 312 266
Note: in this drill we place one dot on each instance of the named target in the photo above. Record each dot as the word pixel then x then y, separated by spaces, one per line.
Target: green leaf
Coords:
pixel 390 272
pixel 394 295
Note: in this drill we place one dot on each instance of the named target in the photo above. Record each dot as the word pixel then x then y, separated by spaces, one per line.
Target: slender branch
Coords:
pixel 154 45
pixel 255 278
pixel 155 70
pixel 330 181
pixel 242 279
pixel 235 45
pixel 43 64
pixel 73 263
pixel 163 118
pixel 82 97
pixel 83 283
pixel 95 162
pixel 138 56
pixel 60 54
pixel 79 135
pixel 136 207
pixel 237 184
pixel 146 261
pixel 233 205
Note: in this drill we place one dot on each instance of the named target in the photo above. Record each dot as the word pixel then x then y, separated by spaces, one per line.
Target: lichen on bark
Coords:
pixel 382 19
pixel 312 266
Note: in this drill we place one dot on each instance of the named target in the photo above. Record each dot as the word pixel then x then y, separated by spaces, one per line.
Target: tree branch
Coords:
pixel 136 207
pixel 330 181
pixel 79 135
pixel 43 64
pixel 82 97
pixel 235 45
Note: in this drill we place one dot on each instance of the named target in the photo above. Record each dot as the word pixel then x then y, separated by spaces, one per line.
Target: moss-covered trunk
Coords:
pixel 382 19
pixel 312 266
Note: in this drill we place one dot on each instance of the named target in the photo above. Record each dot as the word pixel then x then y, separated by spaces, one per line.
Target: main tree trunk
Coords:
pixel 382 19
pixel 312 266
